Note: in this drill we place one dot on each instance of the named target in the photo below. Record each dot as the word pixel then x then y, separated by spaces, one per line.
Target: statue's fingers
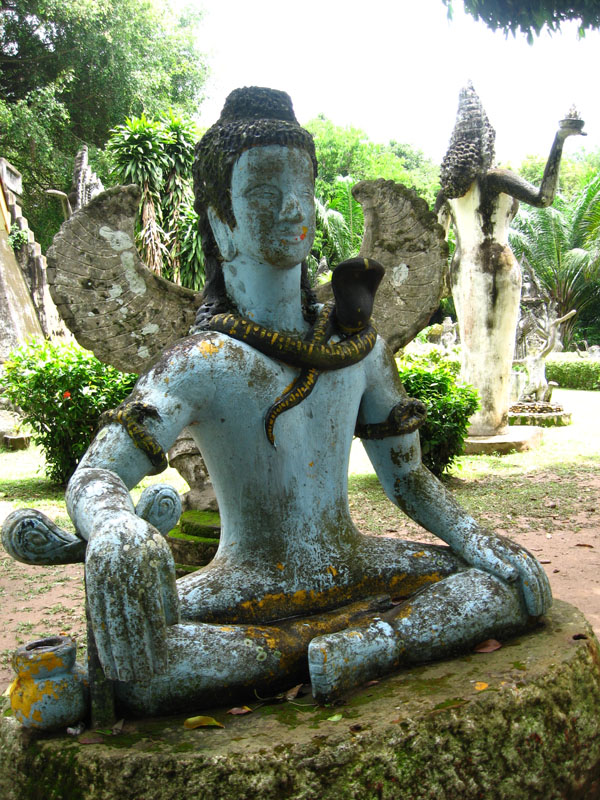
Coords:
pixel 536 589
pixel 491 562
pixel 167 581
pixel 102 637
pixel 155 629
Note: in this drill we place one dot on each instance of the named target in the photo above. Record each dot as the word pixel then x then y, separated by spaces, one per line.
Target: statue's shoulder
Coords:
pixel 199 351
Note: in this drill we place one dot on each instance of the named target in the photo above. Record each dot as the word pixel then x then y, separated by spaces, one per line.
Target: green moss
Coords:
pixel 186 537
pixel 200 519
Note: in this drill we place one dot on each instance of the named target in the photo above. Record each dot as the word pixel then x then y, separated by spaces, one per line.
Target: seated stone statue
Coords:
pixel 273 388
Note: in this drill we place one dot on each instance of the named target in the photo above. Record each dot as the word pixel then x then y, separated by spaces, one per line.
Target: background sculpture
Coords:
pixel 481 200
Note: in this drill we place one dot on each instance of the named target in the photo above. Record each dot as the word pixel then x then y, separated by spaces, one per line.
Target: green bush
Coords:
pixel 433 380
pixel 571 371
pixel 62 390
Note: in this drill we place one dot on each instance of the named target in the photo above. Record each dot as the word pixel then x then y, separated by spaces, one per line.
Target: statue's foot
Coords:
pixel 31 537
pixel 341 661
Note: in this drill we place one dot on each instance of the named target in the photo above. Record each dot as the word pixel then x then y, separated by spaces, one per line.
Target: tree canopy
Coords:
pixel 530 18
pixel 70 70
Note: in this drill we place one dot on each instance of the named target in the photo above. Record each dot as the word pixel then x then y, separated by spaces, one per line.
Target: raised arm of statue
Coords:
pixel 502 180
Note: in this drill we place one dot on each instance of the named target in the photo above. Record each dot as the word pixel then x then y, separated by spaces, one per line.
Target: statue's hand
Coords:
pixel 571 127
pixel 508 560
pixel 132 596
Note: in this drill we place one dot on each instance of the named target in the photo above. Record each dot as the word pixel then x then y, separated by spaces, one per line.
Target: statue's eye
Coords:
pixel 264 192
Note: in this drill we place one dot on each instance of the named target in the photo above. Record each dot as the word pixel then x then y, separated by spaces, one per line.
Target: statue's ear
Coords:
pixel 223 237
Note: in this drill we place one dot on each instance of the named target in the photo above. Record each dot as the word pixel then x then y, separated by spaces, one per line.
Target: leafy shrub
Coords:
pixel 571 371
pixel 62 390
pixel 17 238
pixel 433 380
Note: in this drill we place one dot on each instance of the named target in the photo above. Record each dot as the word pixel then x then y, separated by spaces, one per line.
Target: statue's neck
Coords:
pixel 265 294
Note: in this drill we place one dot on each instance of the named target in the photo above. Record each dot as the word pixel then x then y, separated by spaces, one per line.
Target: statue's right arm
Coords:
pixel 502 180
pixel 130 574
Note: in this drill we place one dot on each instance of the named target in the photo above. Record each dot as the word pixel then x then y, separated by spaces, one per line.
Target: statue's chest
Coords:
pixel 275 400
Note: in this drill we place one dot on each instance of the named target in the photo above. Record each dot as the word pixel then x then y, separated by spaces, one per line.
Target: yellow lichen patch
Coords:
pixel 480 686
pixel 420 554
pixel 279 565
pixel 311 464
pixel 403 613
pixel 26 693
pixel 209 348
pixel 48 661
pixel 332 570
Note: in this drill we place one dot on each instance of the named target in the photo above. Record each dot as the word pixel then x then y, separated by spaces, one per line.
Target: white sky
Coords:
pixel 394 68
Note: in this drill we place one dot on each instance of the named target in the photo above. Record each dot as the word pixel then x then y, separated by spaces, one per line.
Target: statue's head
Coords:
pixel 471 150
pixel 259 132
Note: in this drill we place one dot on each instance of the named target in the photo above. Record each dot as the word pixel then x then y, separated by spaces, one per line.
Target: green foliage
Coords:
pixel 17 238
pixel 72 69
pixel 575 171
pixel 157 155
pixel 571 371
pixel 62 390
pixel 346 156
pixel 531 17
pixel 562 246
pixel 433 380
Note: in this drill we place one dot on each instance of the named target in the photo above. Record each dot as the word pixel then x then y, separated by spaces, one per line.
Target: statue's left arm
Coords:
pixel 411 486
pixel 502 180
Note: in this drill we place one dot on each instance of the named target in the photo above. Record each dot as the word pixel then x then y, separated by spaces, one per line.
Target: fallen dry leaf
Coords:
pixel 335 718
pixel 292 693
pixel 90 738
pixel 201 722
pixel 118 727
pixel 583 544
pixel 488 646
pixel 371 683
pixel 480 686
pixel 238 711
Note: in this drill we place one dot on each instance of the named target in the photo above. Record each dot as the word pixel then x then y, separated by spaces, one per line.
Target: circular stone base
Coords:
pixel 522 722
pixel 515 439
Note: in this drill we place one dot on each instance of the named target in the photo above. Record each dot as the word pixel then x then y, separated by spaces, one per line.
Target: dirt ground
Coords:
pixel 39 602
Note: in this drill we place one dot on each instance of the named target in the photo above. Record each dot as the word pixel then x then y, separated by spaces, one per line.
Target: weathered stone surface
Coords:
pixel 110 301
pixel 517 438
pixel 18 320
pixel 403 234
pixel 516 724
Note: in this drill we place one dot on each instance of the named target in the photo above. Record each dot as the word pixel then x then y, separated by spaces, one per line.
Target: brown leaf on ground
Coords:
pixel 488 646
pixel 239 711
pixel 90 738
pixel 292 693
pixel 584 544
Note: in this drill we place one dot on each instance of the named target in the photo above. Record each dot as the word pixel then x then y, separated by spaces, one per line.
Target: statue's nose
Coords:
pixel 291 208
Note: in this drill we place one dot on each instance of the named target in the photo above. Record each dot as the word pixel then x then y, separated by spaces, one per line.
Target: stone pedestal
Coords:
pixel 519 723
pixel 517 438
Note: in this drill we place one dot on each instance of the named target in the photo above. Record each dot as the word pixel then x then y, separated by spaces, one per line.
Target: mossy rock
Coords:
pixel 520 723
pixel 201 523
pixel 195 540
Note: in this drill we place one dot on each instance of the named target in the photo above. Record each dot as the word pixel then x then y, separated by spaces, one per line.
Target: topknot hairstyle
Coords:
pixel 471 149
pixel 251 117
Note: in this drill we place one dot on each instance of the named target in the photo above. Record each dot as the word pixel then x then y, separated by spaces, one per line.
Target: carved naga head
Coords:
pixel 471 150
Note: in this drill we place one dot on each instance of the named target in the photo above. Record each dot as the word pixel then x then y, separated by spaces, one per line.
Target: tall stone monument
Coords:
pixel 481 200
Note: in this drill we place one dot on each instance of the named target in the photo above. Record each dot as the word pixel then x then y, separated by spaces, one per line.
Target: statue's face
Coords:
pixel 272 196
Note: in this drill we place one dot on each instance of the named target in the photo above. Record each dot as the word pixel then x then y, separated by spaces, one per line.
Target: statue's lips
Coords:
pixel 296 235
